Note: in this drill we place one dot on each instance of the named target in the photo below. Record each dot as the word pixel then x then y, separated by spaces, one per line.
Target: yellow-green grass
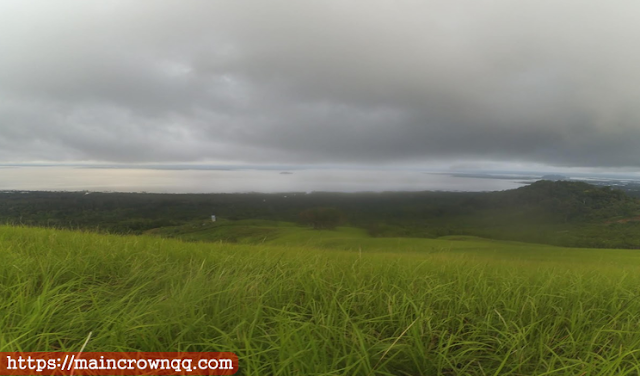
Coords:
pixel 327 302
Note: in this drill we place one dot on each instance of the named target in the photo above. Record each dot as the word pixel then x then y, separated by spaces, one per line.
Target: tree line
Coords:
pixel 562 212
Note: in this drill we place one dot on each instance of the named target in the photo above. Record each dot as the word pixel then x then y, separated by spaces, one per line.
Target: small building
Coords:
pixel 213 218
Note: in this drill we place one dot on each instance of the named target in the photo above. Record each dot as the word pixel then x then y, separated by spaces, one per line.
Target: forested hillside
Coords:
pixel 562 212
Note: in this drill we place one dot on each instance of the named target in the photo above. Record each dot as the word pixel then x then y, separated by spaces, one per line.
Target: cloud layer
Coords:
pixel 359 82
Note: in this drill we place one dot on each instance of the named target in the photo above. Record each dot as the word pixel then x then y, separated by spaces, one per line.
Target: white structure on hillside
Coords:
pixel 213 218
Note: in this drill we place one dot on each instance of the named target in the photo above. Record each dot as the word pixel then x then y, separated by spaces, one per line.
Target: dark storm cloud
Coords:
pixel 550 82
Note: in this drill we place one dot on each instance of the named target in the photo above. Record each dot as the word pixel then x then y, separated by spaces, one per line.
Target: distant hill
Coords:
pixel 566 201
pixel 568 213
pixel 554 177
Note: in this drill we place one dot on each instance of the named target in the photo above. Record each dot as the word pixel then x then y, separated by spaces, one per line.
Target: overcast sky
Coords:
pixel 363 82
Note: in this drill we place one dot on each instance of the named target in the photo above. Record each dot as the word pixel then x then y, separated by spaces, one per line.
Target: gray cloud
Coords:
pixel 551 82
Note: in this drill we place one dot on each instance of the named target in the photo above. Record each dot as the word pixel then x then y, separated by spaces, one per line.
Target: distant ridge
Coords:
pixel 554 177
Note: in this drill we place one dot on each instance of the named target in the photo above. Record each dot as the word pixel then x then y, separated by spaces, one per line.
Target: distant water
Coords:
pixel 242 180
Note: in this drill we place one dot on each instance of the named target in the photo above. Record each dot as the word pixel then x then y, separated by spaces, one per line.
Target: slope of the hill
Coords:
pixel 391 307
pixel 563 201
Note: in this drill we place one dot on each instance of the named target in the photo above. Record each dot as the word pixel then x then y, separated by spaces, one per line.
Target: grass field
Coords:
pixel 292 301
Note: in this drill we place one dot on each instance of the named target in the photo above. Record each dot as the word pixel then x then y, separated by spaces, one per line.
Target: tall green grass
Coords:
pixel 441 307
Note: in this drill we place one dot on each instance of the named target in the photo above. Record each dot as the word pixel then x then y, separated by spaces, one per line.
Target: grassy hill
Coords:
pixel 292 301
